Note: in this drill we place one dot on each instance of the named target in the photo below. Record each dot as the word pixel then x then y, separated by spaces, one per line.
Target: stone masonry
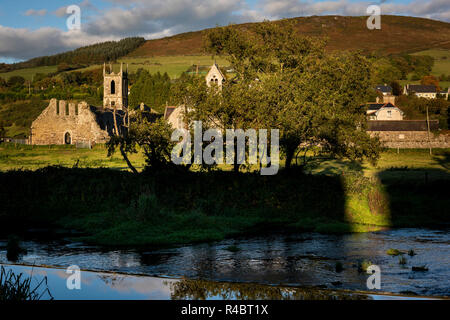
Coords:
pixel 63 122
pixel 412 139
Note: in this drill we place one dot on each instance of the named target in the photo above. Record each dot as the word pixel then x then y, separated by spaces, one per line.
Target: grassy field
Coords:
pixel 28 73
pixel 441 60
pixel 36 157
pixel 441 65
pixel 173 65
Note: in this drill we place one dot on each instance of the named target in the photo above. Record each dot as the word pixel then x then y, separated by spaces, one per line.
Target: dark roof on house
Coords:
pixel 401 125
pixel 418 88
pixel 384 89
pixel 377 106
pixel 168 112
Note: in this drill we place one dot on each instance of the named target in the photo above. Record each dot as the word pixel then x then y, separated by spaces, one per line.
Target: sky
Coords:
pixel 36 28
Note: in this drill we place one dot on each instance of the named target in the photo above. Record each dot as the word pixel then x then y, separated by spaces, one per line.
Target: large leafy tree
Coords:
pixel 147 134
pixel 289 82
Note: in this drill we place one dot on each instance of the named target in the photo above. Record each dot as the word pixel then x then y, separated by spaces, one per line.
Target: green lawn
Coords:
pixel 28 73
pixel 35 157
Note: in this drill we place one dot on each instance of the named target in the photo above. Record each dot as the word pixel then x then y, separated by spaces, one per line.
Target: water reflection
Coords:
pixel 207 290
pixel 113 286
pixel 304 260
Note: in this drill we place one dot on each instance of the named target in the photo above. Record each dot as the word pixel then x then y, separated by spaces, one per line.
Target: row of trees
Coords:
pixel 282 81
pixel 93 54
pixel 398 67
pixel 153 90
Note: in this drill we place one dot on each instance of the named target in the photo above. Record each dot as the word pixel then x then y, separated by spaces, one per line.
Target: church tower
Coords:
pixel 115 88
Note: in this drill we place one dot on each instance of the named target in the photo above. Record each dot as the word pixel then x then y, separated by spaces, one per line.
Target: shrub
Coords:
pixel 18 288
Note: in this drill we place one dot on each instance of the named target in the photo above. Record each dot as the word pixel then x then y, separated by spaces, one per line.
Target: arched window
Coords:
pixel 113 87
pixel 67 138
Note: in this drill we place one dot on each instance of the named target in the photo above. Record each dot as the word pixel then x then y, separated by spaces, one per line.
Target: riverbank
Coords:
pixel 117 208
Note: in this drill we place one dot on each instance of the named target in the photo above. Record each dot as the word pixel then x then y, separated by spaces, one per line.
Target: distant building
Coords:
pixel 175 114
pixel 389 98
pixel 115 88
pixel 384 111
pixel 445 94
pixel 384 89
pixel 421 91
pixel 65 122
pixel 215 76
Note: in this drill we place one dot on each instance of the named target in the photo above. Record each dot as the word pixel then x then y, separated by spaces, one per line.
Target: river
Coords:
pixel 304 261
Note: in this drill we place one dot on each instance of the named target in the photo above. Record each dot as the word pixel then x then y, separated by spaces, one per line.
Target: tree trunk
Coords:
pixel 125 157
pixel 290 152
pixel 115 121
pixel 236 165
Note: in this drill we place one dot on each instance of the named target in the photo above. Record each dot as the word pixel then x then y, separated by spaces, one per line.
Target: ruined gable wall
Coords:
pixel 51 126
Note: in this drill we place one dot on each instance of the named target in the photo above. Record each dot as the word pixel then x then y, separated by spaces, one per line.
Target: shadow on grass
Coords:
pixel 117 208
pixel 443 159
pixel 120 208
pixel 417 197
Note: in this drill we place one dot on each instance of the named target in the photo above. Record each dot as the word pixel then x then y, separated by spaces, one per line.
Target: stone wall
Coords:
pixel 62 117
pixel 412 139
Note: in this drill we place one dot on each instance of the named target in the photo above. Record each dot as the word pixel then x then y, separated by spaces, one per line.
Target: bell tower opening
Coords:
pixel 113 87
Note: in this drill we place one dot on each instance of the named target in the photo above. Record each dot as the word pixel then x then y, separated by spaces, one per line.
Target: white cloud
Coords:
pixel 160 18
pixel 149 17
pixel 60 12
pixel 32 12
pixel 25 43
pixel 274 9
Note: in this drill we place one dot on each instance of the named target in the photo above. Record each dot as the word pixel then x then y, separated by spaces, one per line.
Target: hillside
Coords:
pixel 398 34
pixel 96 53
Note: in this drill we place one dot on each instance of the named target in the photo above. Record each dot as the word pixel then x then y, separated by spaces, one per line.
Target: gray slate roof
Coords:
pixel 418 88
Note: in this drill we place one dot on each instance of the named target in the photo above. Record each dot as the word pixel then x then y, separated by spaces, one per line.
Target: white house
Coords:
pixel 421 91
pixel 384 111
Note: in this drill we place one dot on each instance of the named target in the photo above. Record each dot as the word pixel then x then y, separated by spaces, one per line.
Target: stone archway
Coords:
pixel 67 138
